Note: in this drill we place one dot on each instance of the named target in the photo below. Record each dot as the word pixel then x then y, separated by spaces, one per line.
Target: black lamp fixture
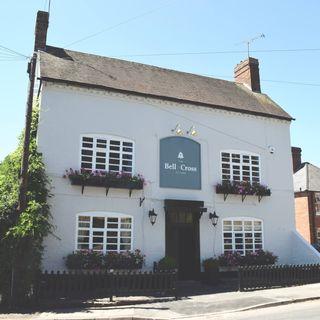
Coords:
pixel 152 216
pixel 214 218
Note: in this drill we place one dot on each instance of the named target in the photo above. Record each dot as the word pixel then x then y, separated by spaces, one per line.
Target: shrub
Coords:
pixel 124 260
pixel 85 259
pixel 230 259
pixel 210 264
pixel 167 263
pixel 91 260
pixel 21 234
pixel 259 257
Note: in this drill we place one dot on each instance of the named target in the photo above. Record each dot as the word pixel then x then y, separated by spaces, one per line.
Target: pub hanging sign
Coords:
pixel 180 163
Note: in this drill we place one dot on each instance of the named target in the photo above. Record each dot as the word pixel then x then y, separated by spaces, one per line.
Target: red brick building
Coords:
pixel 306 179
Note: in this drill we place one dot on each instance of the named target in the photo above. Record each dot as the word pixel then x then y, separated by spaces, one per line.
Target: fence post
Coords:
pixel 240 279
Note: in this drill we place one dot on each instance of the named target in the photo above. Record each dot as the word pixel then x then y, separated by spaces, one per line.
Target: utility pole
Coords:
pixel 26 140
pixel 39 44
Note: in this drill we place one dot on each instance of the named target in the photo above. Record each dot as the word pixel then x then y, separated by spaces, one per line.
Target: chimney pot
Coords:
pixel 247 72
pixel 296 158
pixel 42 24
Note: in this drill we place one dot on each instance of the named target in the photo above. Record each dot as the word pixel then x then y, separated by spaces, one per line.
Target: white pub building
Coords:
pixel 194 139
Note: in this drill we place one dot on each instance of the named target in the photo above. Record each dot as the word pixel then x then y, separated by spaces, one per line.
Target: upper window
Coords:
pixel 240 166
pixel 104 233
pixel 107 154
pixel 242 235
pixel 317 203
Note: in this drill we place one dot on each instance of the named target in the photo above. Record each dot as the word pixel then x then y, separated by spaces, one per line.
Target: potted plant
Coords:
pixel 211 270
pixel 166 264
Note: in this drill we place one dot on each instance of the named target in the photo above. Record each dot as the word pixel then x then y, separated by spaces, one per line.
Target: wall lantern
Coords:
pixel 214 218
pixel 152 216
pixel 177 130
pixel 192 131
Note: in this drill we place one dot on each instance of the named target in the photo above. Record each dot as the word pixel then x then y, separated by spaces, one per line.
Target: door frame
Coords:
pixel 196 209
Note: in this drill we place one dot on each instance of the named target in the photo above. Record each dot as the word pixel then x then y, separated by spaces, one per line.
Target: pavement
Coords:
pixel 201 306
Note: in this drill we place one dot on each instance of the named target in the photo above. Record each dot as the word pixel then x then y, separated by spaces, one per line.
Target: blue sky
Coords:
pixel 177 26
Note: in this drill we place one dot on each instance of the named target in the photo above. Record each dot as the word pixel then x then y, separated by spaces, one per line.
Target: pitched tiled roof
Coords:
pixel 94 71
pixel 307 178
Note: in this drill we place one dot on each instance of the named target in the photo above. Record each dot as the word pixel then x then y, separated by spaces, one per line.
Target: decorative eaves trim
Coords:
pixel 201 104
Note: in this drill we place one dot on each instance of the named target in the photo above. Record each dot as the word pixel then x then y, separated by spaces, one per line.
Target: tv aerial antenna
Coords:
pixel 250 41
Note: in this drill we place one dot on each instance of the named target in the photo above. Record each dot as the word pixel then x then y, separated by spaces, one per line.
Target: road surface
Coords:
pixel 297 311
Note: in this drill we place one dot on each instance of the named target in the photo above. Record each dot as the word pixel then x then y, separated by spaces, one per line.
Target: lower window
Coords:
pixel 242 235
pixel 104 233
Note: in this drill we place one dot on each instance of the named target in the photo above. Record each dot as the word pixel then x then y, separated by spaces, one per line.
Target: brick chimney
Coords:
pixel 41 30
pixel 296 158
pixel 247 72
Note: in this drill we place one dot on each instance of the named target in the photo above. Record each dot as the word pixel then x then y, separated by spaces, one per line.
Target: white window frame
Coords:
pixel 92 214
pixel 108 138
pixel 241 153
pixel 241 219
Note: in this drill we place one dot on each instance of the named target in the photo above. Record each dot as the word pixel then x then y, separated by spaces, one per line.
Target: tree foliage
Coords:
pixel 21 235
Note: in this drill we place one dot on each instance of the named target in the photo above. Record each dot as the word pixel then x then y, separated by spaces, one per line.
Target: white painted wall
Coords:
pixel 67 112
pixel 302 252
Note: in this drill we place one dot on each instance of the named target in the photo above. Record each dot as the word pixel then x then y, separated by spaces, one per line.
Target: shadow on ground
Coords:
pixel 185 289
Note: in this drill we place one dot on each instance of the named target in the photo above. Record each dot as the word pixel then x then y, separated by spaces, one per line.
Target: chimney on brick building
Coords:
pixel 247 72
pixel 40 32
pixel 296 158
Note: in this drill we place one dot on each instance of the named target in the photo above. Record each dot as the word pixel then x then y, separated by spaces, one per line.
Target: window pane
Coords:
pixel 243 166
pixel 97 247
pixel 125 247
pixel 102 233
pixel 83 239
pixel 257 226
pixel 239 238
pixel 83 232
pixel 98 222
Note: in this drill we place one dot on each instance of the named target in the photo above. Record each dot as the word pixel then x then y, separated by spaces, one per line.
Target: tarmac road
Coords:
pixel 297 311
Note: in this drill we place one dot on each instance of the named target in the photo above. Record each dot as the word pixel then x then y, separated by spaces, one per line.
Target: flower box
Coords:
pixel 133 185
pixel 242 188
pixel 104 179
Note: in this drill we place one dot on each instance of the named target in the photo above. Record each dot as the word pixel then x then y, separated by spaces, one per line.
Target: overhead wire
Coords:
pixel 116 25
pixel 266 80
pixel 217 52
pixel 8 50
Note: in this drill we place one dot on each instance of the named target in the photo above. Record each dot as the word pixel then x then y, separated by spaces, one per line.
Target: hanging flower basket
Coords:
pixel 105 179
pixel 242 188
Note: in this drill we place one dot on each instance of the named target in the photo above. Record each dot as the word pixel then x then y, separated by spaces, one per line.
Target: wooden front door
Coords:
pixel 182 241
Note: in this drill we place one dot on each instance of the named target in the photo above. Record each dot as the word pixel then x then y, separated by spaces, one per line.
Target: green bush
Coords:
pixel 167 263
pixel 84 259
pixel 21 235
pixel 125 260
pixel 210 264
pixel 259 257
pixel 91 260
